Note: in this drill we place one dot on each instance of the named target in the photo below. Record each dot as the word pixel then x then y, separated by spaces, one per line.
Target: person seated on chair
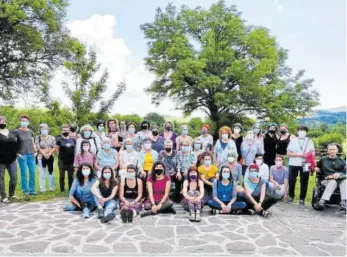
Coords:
pixel 334 171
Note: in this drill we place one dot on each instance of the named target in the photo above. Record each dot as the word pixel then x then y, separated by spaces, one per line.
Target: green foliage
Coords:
pixel 33 41
pixel 324 127
pixel 212 61
pixel 129 118
pixel 155 119
pixel 313 133
pixel 340 129
pixel 322 141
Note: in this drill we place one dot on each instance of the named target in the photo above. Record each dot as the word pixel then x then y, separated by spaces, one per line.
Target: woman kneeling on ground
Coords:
pixel 193 192
pixel 105 190
pixel 255 190
pixel 158 186
pixel 130 195
pixel 224 194
pixel 81 195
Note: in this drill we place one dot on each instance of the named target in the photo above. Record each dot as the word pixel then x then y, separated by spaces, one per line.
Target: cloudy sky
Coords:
pixel 313 31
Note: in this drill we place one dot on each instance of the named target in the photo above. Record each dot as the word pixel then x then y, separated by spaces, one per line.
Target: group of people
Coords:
pixel 144 171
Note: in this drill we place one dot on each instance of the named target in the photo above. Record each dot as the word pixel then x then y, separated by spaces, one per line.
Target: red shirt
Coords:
pixel 158 187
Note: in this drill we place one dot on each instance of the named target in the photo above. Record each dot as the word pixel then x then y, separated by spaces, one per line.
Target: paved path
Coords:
pixel 43 228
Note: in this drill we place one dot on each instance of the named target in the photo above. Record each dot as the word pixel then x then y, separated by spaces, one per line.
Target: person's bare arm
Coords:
pixel 139 190
pixel 113 194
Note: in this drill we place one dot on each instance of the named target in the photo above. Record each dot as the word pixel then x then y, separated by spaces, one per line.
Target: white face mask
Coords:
pixel 302 134
pixel 147 146
pixel 259 162
pixel 237 130
pixel 231 159
pixel 85 172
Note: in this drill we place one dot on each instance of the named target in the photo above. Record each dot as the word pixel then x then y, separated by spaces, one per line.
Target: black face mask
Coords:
pixel 272 131
pixel 158 171
pixel 72 129
pixel 168 128
pixel 65 134
pixel 144 127
pixel 2 126
pixel 283 132
pixel 167 149
pixel 155 133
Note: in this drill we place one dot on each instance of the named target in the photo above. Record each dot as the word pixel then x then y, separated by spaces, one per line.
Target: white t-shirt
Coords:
pixel 206 141
pixel 297 145
pixel 264 172
pixel 127 158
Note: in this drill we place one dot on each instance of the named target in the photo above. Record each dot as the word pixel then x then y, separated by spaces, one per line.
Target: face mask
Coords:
pixel 101 128
pixel 168 128
pixel 225 136
pixel 73 129
pixel 144 127
pixel 184 132
pixel 131 130
pixel 107 175
pixel 87 134
pixel 2 126
pixel 204 132
pixel 253 174
pixel 147 146
pixel 106 146
pixel 279 163
pixel 237 130
pixel 231 159
pixel 302 134
pixel 123 127
pixel 283 132
pixel 197 146
pixel 86 172
pixel 86 148
pixel 24 124
pixel 193 176
pixel 259 162
pixel 207 162
pixel 256 130
pixel 44 132
pixel 158 171
pixel 65 134
pixel 249 137
pixel 168 149
pixel 272 131
pixel 226 175
pixel 155 133
pixel 131 175
pixel 129 147
pixel 185 149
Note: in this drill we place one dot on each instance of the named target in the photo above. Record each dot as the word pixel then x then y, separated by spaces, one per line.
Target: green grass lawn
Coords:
pixel 56 193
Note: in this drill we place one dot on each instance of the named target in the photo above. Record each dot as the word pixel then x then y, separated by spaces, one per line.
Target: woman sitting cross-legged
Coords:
pixel 158 186
pixel 279 179
pixel 105 190
pixel 193 192
pixel 255 190
pixel 224 194
pixel 130 195
pixel 81 195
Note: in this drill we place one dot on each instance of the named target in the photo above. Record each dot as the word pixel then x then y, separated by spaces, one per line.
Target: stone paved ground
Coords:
pixel 43 228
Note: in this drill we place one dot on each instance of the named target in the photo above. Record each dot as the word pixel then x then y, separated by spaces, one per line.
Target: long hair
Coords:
pixel 84 141
pixel 80 176
pixel 193 168
pixel 221 171
pixel 153 176
pixel 113 181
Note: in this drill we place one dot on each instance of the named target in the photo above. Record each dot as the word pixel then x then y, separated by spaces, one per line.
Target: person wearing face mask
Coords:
pixel 157 141
pixel 127 157
pixel 112 127
pixel 270 144
pixel 26 155
pixel 65 146
pixel 74 131
pixel 238 138
pixel 186 158
pixel 144 133
pixel 255 190
pixel 85 156
pixel 183 137
pixel 130 195
pixel 169 133
pixel 158 185
pixel 206 139
pixel 258 137
pixel 104 191
pixel 279 179
pixel 100 134
pixel 283 140
pixel 223 145
pixel 208 173
pixel 224 194
pixel 119 137
pixel 236 169
pixel 198 150
pixel 131 127
pixel 297 150
pixel 81 195
pixel 106 157
pixel 249 148
pixel 170 160
pixel 193 193
pixel 45 145
pixel 8 155
pixel 264 171
pixel 87 134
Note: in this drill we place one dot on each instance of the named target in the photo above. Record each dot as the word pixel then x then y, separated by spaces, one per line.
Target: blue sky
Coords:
pixel 314 32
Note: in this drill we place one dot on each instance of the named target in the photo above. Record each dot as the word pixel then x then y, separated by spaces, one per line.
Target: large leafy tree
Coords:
pixel 211 60
pixel 33 41
pixel 85 90
pixel 155 119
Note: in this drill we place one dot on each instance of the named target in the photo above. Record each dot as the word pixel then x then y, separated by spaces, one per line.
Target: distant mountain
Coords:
pixel 330 117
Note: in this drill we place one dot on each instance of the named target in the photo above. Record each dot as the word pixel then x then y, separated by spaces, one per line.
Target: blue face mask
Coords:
pixel 131 175
pixel 101 128
pixel 106 146
pixel 129 147
pixel 44 132
pixel 107 175
pixel 87 134
pixel 226 175
pixel 24 124
pixel 253 174
pixel 207 162
pixel 184 132
pixel 185 149
pixel 197 146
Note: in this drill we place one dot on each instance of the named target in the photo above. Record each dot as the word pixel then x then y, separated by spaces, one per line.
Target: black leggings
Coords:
pixel 70 171
pixel 304 176
pixel 176 192
pixel 48 163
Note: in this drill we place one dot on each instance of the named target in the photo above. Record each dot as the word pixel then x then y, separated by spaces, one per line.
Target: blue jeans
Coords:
pixel 235 206
pixel 87 207
pixel 27 160
pixel 109 206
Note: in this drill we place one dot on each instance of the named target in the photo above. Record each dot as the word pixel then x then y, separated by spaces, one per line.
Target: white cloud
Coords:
pixel 98 31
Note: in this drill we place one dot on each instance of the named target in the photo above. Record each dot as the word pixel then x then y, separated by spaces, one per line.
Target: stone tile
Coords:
pixel 29 247
pixel 4 234
pixel 63 249
pixel 212 238
pixel 335 250
pixel 266 240
pixel 124 248
pixel 188 242
pixel 329 236
pixel 97 249
pixel 293 239
pixel 134 232
pixel 211 228
pixel 155 247
pixel 112 237
pixel 58 237
pixel 277 227
pixel 74 240
pixel 8 217
pixel 202 249
pixel 233 236
pixel 96 236
pixel 159 233
pixel 309 250
pixel 168 222
pixel 185 230
pixel 241 248
pixel 277 251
